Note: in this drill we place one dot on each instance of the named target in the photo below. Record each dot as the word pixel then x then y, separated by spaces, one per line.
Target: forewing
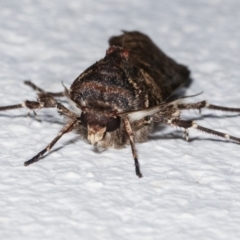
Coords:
pixel 162 74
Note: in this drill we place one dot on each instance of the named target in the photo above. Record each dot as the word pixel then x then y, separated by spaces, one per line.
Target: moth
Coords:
pixel 118 99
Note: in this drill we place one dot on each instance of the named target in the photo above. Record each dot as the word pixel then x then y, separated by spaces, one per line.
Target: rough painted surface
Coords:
pixel 190 190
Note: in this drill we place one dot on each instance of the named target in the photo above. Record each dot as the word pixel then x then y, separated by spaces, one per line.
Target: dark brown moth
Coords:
pixel 118 99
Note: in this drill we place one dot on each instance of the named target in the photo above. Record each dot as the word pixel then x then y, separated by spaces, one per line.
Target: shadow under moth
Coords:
pixel 118 99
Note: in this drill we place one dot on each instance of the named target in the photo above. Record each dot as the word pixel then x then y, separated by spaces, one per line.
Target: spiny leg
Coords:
pixel 205 104
pixel 186 134
pixel 134 151
pixel 67 128
pixel 45 100
pixel 26 104
pixel 36 88
pixel 66 112
pixel 186 124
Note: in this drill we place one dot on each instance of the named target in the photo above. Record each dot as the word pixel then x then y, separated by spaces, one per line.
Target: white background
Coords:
pixel 190 190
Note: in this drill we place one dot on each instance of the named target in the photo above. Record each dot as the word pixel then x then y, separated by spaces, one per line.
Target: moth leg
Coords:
pixel 134 150
pixel 44 101
pixel 36 88
pixel 66 129
pixel 205 104
pixel 48 101
pixel 141 123
pixel 186 134
pixel 32 105
pixel 66 112
pixel 191 124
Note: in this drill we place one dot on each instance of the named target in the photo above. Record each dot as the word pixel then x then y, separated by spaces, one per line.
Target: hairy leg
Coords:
pixel 186 124
pixel 134 150
pixel 67 128
pixel 205 104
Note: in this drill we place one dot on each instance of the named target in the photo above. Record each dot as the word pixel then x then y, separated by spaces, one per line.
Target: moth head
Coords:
pixel 98 124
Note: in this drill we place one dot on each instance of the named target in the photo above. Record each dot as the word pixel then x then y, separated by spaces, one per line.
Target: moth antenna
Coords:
pixel 123 39
pixel 38 89
pixel 194 95
pixel 179 98
pixel 64 85
pixel 33 86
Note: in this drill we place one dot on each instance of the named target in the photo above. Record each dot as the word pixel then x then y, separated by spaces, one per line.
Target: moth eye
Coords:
pixel 83 119
pixel 113 124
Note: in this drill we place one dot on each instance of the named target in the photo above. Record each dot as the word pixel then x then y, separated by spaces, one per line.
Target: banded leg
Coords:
pixel 134 150
pixel 36 88
pixel 186 124
pixel 66 112
pixel 66 129
pixel 205 104
pixel 44 101
pixel 32 105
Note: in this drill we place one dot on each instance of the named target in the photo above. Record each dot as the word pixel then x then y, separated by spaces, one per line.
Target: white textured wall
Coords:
pixel 190 190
